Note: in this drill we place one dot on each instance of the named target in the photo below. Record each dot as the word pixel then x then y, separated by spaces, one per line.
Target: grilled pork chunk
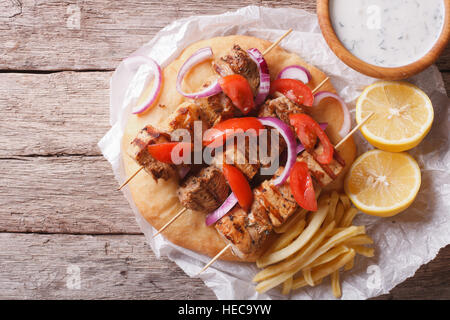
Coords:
pixel 245 231
pixel 205 191
pixel 237 61
pixel 184 117
pixel 240 158
pixel 215 109
pixel 280 107
pixel 138 151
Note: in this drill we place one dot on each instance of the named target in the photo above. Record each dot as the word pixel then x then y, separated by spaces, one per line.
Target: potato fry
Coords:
pixel 300 242
pixel 358 240
pixel 364 251
pixel 286 238
pixel 287 264
pixel 345 200
pixel 339 213
pixel 335 284
pixel 329 255
pixel 300 215
pixel 349 265
pixel 334 198
pixel 336 231
pixel 347 219
pixel 287 286
pixel 308 277
pixel 325 269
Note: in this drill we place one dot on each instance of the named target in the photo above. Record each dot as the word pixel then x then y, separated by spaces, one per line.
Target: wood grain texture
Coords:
pixel 110 267
pixel 75 195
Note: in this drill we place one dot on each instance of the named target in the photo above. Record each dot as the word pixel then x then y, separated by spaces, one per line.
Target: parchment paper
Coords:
pixel 403 243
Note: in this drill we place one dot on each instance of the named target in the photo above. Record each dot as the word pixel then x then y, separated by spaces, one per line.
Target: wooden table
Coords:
pixel 60 216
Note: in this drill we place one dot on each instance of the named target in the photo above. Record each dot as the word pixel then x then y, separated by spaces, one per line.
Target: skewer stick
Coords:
pixel 215 258
pixel 353 131
pixel 320 84
pixel 276 42
pixel 131 177
pixel 170 221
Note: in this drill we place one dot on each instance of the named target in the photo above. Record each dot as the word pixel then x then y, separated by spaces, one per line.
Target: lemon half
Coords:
pixel 383 183
pixel 403 115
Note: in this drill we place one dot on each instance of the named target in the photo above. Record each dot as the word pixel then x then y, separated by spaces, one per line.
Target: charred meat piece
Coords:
pixel 215 109
pixel 245 232
pixel 138 151
pixel 184 117
pixel 277 200
pixel 280 107
pixel 237 61
pixel 205 191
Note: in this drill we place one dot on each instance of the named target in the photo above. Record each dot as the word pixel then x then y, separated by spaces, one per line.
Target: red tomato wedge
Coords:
pixel 239 185
pixel 217 135
pixel 295 90
pixel 237 88
pixel 302 187
pixel 308 130
pixel 163 151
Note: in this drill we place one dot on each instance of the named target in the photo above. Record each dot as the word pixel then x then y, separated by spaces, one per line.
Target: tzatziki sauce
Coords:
pixel 387 33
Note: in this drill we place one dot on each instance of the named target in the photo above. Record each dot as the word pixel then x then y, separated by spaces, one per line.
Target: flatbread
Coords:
pixel 157 201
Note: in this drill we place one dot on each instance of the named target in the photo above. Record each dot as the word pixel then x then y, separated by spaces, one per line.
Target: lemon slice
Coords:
pixel 383 183
pixel 403 115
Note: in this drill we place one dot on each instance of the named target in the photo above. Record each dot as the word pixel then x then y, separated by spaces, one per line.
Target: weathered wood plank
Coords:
pixel 57 113
pixel 62 195
pixel 90 267
pixel 73 35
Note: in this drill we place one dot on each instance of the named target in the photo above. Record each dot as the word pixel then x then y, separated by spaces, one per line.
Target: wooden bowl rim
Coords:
pixel 395 73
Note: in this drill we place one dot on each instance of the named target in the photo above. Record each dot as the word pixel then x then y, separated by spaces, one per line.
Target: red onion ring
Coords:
pixel 196 58
pixel 226 206
pixel 295 72
pixel 264 76
pixel 134 62
pixel 346 124
pixel 291 142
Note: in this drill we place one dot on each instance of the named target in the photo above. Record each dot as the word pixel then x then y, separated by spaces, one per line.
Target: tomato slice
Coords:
pixel 294 89
pixel 217 135
pixel 308 130
pixel 163 151
pixel 237 88
pixel 302 188
pixel 239 185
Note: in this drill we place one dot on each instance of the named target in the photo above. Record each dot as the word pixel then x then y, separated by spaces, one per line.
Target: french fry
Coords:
pixel 335 284
pixel 300 242
pixel 308 277
pixel 325 269
pixel 334 198
pixel 339 213
pixel 349 265
pixel 358 240
pixel 329 255
pixel 286 238
pixel 287 264
pixel 300 215
pixel 347 219
pixel 345 201
pixel 364 251
pixel 336 231
pixel 287 286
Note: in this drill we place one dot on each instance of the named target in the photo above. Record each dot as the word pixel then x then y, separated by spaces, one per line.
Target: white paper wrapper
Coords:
pixel 403 243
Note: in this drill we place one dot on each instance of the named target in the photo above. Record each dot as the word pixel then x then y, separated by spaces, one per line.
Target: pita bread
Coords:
pixel 157 201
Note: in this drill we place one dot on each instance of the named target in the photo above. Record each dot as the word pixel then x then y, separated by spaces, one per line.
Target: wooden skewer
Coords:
pixel 320 84
pixel 170 221
pixel 353 131
pixel 131 177
pixel 276 42
pixel 215 258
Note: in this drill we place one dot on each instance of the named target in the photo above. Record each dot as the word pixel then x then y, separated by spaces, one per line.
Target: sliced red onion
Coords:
pixel 346 124
pixel 136 61
pixel 226 206
pixel 264 76
pixel 300 147
pixel 196 58
pixel 291 142
pixel 295 72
